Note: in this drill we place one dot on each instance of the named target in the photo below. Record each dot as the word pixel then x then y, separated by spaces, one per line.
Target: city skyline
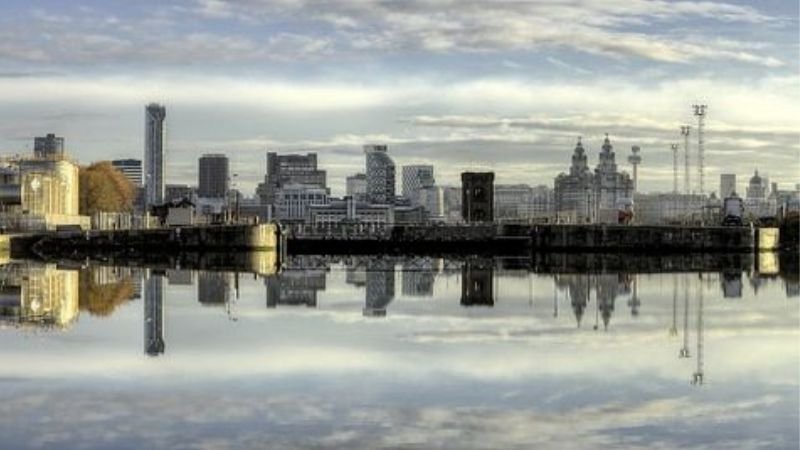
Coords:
pixel 468 97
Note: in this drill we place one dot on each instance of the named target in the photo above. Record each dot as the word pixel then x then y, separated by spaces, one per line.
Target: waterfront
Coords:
pixel 379 352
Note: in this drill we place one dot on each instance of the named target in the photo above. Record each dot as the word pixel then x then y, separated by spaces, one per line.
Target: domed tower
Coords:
pixel 580 164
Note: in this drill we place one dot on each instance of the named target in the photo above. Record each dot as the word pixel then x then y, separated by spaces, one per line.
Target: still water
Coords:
pixel 380 352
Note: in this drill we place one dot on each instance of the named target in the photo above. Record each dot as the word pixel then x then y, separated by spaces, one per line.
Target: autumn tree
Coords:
pixel 104 188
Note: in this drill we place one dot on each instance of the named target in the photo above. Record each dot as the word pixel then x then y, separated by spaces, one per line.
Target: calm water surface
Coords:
pixel 398 353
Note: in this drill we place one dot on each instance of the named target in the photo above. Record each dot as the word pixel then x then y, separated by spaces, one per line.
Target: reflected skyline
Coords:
pixel 490 338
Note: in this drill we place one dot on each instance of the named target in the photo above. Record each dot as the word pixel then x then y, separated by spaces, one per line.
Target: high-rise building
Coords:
pixel 131 168
pixel 213 177
pixel 416 177
pixel 380 175
pixel 477 196
pixel 727 185
pixel 48 147
pixel 154 154
pixel 283 170
pixel 357 187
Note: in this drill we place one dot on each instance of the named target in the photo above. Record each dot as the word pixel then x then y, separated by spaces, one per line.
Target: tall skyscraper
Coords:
pixel 131 168
pixel 293 169
pixel 154 152
pixel 727 185
pixel 213 177
pixel 415 178
pixel 380 175
pixel 48 147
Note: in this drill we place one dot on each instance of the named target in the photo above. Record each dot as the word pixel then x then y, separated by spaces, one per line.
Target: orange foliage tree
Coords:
pixel 104 188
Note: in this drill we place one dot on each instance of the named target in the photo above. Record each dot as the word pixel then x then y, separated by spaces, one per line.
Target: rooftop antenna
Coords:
pixel 674 148
pixel 687 185
pixel 635 159
pixel 700 112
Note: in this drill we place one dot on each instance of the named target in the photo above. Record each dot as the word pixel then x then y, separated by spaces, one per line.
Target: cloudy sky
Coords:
pixel 458 84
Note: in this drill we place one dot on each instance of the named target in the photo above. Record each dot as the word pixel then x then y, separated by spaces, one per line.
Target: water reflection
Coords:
pixel 48 296
pixel 38 295
pixel 154 313
pixel 602 353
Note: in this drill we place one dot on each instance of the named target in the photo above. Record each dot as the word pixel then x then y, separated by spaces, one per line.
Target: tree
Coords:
pixel 104 188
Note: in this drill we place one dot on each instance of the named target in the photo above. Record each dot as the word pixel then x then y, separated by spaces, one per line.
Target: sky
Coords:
pixel 463 85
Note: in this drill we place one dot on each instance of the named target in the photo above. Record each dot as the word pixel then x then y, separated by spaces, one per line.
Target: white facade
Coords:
pixel 292 201
pixel 348 211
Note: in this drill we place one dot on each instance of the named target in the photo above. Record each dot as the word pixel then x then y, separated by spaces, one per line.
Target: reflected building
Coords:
pixel 295 288
pixel 39 296
pixel 477 283
pixel 607 288
pixel 577 286
pixel 213 288
pixel 154 314
pixel 357 276
pixel 380 288
pixel 417 280
pixel 731 283
pixel 178 277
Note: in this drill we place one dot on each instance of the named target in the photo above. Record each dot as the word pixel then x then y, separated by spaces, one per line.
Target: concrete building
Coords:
pixel 178 192
pixel 348 211
pixel 213 176
pixel 154 154
pixel 452 204
pixel 431 198
pixel 727 185
pixel 668 208
pixel 292 201
pixel 583 196
pixel 416 178
pixel 48 147
pixel 380 175
pixel 294 169
pixel 477 196
pixel 131 168
pixel 357 187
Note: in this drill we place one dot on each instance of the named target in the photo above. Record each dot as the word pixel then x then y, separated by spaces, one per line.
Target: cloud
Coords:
pixel 583 26
pixel 251 31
